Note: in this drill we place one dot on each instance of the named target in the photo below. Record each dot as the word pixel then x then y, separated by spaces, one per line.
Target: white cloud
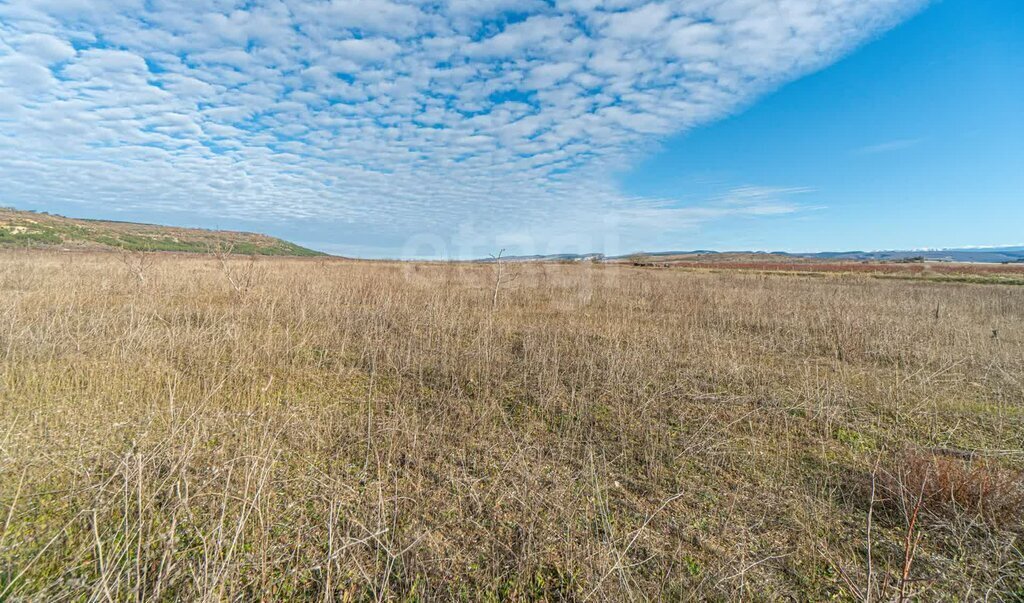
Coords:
pixel 365 50
pixel 546 75
pixel 535 35
pixel 48 48
pixel 640 22
pixel 102 62
pixel 395 117
pixel 375 16
pixel 23 74
pixel 889 146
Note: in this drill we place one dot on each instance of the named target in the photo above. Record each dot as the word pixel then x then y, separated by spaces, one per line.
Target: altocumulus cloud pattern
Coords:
pixel 473 118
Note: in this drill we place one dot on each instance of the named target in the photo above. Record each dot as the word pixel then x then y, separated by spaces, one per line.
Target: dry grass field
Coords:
pixel 180 428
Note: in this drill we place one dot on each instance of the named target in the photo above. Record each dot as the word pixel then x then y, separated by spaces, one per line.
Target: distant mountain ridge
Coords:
pixel 27 229
pixel 987 255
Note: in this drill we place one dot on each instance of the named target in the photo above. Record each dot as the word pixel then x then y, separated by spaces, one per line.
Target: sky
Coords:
pixel 453 129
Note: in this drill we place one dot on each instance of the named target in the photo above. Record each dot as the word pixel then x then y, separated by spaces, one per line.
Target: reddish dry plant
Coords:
pixel 949 486
pixel 918 486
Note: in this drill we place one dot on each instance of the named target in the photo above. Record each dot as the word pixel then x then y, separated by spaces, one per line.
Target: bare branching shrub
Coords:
pixel 137 263
pixel 501 275
pixel 242 275
pixel 641 259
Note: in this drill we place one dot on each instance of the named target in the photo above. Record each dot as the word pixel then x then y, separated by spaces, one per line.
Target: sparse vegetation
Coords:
pixel 337 430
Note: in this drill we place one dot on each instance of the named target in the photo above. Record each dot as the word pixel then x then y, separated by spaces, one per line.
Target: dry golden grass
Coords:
pixel 320 429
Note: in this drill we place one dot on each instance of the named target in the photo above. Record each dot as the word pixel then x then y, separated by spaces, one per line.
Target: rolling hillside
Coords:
pixel 24 229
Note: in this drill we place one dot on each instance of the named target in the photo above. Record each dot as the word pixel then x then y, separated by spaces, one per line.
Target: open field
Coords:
pixel 187 428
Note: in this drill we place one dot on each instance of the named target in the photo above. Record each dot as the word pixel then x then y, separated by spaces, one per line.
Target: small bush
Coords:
pixel 949 485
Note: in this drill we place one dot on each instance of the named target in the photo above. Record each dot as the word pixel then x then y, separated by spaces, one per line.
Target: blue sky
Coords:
pixel 408 128
pixel 914 140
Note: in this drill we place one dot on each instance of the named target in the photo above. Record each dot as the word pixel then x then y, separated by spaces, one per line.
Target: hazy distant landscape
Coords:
pixel 32 230
pixel 988 255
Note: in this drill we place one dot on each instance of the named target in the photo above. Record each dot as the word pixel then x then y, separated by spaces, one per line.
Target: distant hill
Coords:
pixel 25 229
pixel 981 254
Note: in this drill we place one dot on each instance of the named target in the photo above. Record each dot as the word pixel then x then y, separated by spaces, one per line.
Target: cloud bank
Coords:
pixel 406 119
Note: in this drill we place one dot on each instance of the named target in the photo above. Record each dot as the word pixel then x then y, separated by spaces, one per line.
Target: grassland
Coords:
pixel 23 229
pixel 330 430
